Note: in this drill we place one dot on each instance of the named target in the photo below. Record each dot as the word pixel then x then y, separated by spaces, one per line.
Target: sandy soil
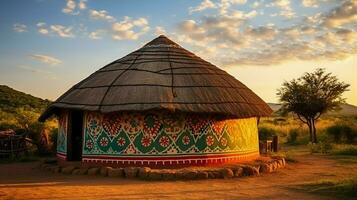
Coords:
pixel 25 181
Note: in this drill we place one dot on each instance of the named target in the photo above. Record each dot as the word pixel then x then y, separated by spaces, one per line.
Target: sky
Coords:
pixel 46 46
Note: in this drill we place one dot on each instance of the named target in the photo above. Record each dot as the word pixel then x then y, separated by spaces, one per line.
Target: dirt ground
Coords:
pixel 25 181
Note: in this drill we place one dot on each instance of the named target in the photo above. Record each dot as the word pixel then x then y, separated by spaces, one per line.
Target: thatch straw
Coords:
pixel 162 75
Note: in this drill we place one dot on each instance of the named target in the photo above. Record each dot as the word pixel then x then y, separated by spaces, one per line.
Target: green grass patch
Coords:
pixel 341 189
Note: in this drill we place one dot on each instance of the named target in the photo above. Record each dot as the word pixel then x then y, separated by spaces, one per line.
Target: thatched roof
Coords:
pixel 162 75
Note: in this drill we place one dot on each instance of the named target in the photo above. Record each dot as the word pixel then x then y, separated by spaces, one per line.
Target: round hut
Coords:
pixel 159 106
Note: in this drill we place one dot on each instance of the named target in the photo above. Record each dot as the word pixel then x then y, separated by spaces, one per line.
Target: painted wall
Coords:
pixel 62 134
pixel 161 133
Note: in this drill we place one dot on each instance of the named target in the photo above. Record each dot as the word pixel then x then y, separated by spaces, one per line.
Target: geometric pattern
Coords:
pixel 160 133
pixel 62 133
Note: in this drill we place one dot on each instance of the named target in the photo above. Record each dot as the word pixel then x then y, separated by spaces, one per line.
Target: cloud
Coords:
pixel 346 13
pixel 130 29
pixel 82 4
pixel 56 29
pixel 20 28
pixel 62 31
pixel 310 3
pixel 230 40
pixel 205 4
pixel 285 8
pixel 97 35
pixel 72 8
pixel 45 59
pixel 224 5
pixel 101 15
pixel 46 74
pixel 160 30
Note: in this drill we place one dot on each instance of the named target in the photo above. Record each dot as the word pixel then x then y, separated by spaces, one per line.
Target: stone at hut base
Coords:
pixel 93 171
pixel 189 174
pixel 104 171
pixel 56 169
pixel 238 171
pixel 83 170
pixel 144 172
pixel 168 175
pixel 227 173
pixel 154 175
pixel 250 171
pixel 266 168
pixel 115 172
pixel 76 172
pixel 202 175
pixel 211 175
pixel 131 172
pixel 68 170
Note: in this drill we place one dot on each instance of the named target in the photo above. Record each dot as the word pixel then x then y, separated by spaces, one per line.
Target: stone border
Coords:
pixel 192 173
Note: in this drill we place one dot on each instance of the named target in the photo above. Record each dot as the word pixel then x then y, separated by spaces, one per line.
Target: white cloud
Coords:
pixel 224 5
pixel 62 31
pixel 43 31
pixel 130 29
pixel 160 30
pixel 43 73
pixel 72 8
pixel 82 4
pixel 346 13
pixel 101 15
pixel 205 4
pixel 96 35
pixel 20 28
pixel 310 3
pixel 46 59
pixel 285 8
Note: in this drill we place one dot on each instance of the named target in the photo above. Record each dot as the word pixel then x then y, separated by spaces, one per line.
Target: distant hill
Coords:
pixel 346 109
pixel 11 99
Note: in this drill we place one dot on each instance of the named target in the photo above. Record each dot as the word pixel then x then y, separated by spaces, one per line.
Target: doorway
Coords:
pixel 75 136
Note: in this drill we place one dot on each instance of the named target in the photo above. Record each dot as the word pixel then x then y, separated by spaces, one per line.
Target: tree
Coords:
pixel 312 95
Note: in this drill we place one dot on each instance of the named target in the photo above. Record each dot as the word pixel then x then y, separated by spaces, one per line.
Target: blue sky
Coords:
pixel 49 45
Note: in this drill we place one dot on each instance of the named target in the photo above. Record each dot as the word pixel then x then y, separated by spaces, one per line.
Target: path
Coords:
pixel 25 181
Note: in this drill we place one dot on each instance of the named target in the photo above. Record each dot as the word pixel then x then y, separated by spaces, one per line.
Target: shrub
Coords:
pixel 292 136
pixel 266 133
pixel 342 133
pixel 321 147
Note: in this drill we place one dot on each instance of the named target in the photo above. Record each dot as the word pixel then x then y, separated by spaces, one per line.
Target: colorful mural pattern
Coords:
pixel 62 133
pixel 161 133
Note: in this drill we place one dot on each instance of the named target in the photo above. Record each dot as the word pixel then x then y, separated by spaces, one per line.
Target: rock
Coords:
pixel 227 173
pixel 56 169
pixel 284 162
pixel 180 175
pixel 104 171
pixel 131 172
pixel 265 168
pixel 168 175
pixel 154 175
pixel 68 169
pixel 217 174
pixel 83 170
pixel 144 172
pixel 76 171
pixel 93 171
pixel 274 165
pixel 250 170
pixel 238 172
pixel 211 175
pixel 115 172
pixel 202 175
pixel 189 174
